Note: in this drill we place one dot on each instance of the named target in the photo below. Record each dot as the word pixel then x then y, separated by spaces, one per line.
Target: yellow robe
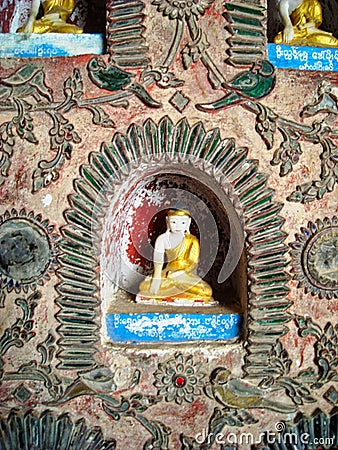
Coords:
pixel 308 12
pixel 184 256
pixel 48 24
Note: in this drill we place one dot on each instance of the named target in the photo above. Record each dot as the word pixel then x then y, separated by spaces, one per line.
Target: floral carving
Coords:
pixel 314 258
pixel 325 351
pixel 179 9
pixel 280 365
pixel 28 250
pixel 21 331
pixel 321 132
pixel 33 95
pixel 41 371
pixel 179 379
pixel 301 388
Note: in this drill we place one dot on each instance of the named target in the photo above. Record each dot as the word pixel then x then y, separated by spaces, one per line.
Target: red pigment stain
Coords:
pixel 141 232
pixel 302 343
pixel 6 15
pixel 197 408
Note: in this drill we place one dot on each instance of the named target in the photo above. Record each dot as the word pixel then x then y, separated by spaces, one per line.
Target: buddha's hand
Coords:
pixel 28 28
pixel 155 285
pixel 288 33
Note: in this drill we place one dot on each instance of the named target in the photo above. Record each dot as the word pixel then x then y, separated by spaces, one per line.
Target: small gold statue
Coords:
pixel 177 282
pixel 302 19
pixel 54 19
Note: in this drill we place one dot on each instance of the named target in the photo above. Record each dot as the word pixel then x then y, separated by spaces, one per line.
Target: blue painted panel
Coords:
pixel 24 45
pixel 303 58
pixel 154 327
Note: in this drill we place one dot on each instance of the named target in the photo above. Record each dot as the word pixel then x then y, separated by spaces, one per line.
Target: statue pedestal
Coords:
pixel 183 301
pixel 146 321
pixel 32 45
pixel 172 327
pixel 303 57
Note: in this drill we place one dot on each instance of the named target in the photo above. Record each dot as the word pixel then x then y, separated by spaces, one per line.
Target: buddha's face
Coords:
pixel 178 224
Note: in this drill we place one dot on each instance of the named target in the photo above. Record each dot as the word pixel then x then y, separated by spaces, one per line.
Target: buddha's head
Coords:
pixel 178 221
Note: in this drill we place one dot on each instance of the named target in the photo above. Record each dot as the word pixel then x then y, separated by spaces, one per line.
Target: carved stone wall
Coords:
pixel 185 92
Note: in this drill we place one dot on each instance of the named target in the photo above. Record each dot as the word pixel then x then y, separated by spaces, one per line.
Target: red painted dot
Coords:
pixel 180 381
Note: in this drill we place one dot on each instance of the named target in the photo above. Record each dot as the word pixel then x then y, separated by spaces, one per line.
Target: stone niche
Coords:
pixel 136 216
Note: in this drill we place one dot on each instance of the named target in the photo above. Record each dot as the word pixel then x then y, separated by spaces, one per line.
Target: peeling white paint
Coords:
pixel 47 200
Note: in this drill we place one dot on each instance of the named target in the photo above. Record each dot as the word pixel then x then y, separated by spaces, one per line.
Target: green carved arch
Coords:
pixel 78 299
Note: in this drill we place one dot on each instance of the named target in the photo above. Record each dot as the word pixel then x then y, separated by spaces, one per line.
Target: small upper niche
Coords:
pixel 132 226
pixel 315 45
pixel 89 16
pixel 329 15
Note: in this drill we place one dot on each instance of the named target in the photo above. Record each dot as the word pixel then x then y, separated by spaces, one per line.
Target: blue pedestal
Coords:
pixel 303 57
pixel 158 327
pixel 26 45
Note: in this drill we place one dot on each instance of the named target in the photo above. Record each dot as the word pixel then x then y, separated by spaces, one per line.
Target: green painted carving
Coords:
pixel 302 387
pixel 25 93
pixel 114 79
pixel 314 258
pixel 20 126
pixel 28 81
pixel 179 145
pixel 331 395
pixel 126 44
pixel 321 132
pixel 237 394
pixel 134 407
pixel 184 13
pixel 314 432
pixel 42 371
pixel 249 85
pixel 21 431
pixel 22 329
pixel 325 351
pixel 279 378
pixel 179 379
pixel 28 250
pixel 245 23
pixel 247 28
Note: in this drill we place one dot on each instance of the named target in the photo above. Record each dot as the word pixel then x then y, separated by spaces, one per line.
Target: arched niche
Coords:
pixel 136 217
pixel 164 147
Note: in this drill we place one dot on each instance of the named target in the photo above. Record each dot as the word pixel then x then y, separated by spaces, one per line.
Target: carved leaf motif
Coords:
pixel 193 51
pixel 316 189
pixel 47 349
pixel 298 393
pixel 21 331
pixel 307 326
pixel 280 359
pixel 100 117
pixel 287 154
pixel 266 125
pixel 74 85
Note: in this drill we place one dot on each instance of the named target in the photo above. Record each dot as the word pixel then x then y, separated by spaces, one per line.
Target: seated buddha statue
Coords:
pixel 54 19
pixel 302 19
pixel 174 280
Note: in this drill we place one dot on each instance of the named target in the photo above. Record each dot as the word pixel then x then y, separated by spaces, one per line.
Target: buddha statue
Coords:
pixel 173 279
pixel 302 19
pixel 54 19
